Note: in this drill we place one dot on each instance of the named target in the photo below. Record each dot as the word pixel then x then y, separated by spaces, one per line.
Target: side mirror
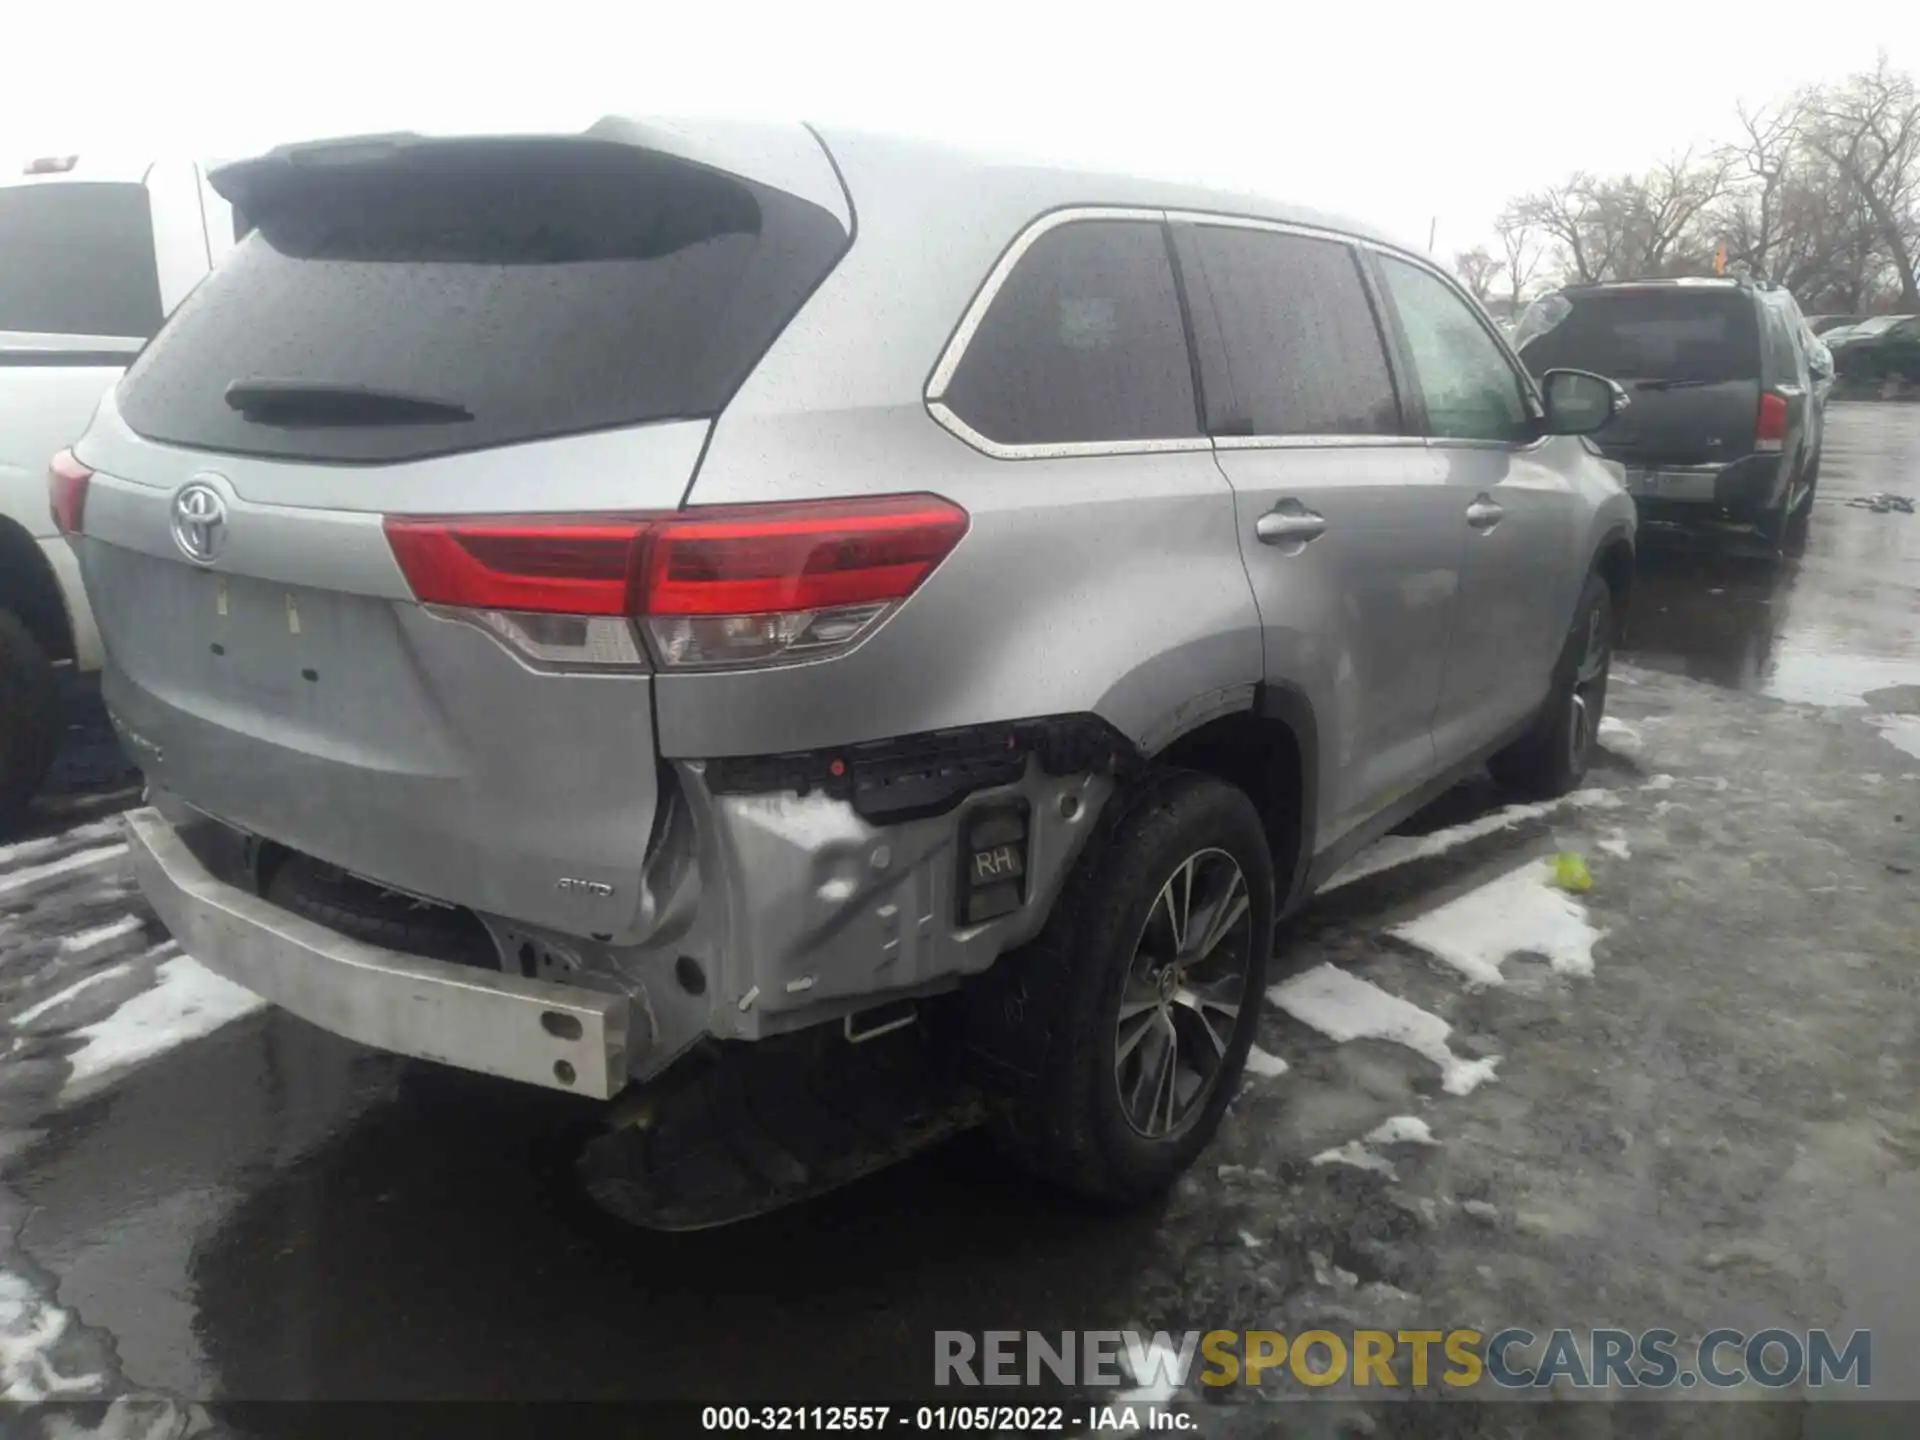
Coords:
pixel 1580 402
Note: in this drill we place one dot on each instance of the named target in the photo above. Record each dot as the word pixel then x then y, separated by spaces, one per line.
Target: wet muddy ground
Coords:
pixel 1685 1098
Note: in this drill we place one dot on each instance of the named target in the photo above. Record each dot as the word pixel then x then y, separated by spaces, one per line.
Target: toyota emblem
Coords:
pixel 199 522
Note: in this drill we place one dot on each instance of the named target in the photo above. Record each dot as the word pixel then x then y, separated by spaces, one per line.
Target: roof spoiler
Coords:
pixel 789 157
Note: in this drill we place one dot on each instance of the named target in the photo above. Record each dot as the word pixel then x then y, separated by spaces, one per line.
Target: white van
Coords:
pixel 94 253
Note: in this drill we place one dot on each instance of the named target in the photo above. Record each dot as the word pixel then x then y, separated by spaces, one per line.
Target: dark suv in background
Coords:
pixel 1727 387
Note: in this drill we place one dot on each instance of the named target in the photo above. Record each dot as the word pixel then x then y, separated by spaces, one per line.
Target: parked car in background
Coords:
pixel 1727 416
pixel 92 255
pixel 1886 347
pixel 536 665
pixel 1821 324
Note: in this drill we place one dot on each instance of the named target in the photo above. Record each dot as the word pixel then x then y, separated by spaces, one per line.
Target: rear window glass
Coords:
pixel 1083 344
pixel 474 294
pixel 76 258
pixel 1670 334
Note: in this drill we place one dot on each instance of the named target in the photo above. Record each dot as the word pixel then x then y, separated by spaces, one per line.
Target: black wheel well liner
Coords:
pixel 29 589
pixel 1271 751
pixel 1613 562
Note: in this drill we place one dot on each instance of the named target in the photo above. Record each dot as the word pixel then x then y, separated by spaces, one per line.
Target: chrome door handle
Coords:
pixel 1289 520
pixel 1484 514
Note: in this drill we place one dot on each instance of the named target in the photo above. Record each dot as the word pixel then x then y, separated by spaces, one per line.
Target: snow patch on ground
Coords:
pixel 38 875
pixel 1158 1368
pixel 1659 782
pixel 28 851
pixel 1521 912
pixel 34 1012
pixel 1344 1007
pixel 30 1326
pixel 1266 1066
pixel 1396 850
pixel 1364 1153
pixel 1619 735
pixel 100 935
pixel 1615 845
pixel 1900 731
pixel 186 1002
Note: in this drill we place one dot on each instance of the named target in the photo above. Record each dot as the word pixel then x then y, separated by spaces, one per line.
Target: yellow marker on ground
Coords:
pixel 1570 873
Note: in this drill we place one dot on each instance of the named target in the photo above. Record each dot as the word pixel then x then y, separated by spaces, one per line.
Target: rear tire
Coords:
pixel 1777 522
pixel 1146 986
pixel 1553 756
pixel 29 716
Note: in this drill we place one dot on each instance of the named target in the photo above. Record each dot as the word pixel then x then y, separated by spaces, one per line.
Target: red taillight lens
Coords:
pixel 760 559
pixel 67 481
pixel 1770 430
pixel 725 585
pixel 569 565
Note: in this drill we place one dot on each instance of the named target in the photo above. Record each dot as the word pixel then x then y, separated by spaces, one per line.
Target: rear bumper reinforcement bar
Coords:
pixel 561 1036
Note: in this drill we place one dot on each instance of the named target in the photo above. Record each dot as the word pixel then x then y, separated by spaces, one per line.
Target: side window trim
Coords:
pixel 1529 391
pixel 1218 402
pixel 1414 420
pixel 948 364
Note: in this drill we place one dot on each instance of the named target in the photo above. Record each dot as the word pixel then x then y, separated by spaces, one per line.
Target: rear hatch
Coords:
pixel 417 333
pixel 1689 359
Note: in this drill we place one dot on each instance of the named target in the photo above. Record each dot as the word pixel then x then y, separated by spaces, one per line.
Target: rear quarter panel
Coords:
pixel 1110 585
pixel 1106 585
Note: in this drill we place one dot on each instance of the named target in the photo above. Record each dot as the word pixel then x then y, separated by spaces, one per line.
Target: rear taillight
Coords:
pixel 568 565
pixel 1770 430
pixel 739 584
pixel 67 481
pixel 730 585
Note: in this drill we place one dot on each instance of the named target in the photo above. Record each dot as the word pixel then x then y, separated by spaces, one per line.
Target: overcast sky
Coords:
pixel 1401 114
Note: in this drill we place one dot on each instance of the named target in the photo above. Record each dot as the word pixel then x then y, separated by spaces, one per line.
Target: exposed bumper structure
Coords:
pixel 560 1036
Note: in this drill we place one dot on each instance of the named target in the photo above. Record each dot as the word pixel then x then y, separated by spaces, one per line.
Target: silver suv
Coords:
pixel 586 602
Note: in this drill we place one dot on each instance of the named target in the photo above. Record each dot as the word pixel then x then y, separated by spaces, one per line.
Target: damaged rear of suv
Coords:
pixel 588 603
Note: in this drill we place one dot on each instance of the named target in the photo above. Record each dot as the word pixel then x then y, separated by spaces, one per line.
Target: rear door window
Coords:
pixel 1300 347
pixel 76 258
pixel 1083 344
pixel 1668 333
pixel 468 294
pixel 1471 389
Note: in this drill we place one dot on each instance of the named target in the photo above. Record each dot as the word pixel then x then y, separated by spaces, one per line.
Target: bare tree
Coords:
pixel 1758 172
pixel 1820 192
pixel 1520 251
pixel 1667 211
pixel 1478 270
pixel 1562 214
pixel 1630 226
pixel 1869 128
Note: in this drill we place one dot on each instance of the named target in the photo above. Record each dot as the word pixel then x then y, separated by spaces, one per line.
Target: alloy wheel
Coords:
pixel 1185 987
pixel 1589 689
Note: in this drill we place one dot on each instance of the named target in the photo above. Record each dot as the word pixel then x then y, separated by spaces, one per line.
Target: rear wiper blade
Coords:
pixel 324 402
pixel 1672 384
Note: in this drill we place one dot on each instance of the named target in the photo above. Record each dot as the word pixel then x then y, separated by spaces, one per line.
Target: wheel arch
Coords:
pixel 1613 562
pixel 1269 748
